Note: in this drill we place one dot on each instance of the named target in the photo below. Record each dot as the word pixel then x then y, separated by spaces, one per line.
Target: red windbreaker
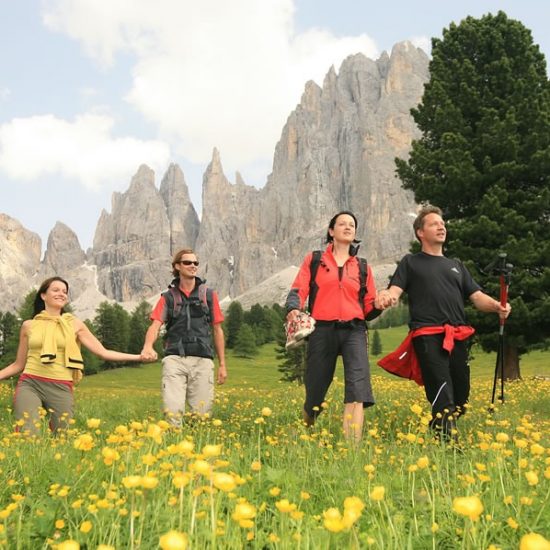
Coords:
pixel 337 299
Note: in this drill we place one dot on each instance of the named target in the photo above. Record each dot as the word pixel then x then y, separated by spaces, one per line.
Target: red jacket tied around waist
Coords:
pixel 403 361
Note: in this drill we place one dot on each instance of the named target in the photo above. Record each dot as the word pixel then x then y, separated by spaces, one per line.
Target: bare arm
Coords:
pixel 150 338
pixel 88 340
pixel 219 344
pixel 485 303
pixel 22 349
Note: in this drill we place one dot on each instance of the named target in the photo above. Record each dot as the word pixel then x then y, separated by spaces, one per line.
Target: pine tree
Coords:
pixel 139 323
pixel 9 327
pixel 245 343
pixel 376 345
pixel 111 325
pixel 293 362
pixel 92 363
pixel 11 343
pixel 484 158
pixel 233 322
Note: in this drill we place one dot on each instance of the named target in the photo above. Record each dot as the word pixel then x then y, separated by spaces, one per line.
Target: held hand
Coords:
pixel 148 355
pixel 222 374
pixel 384 299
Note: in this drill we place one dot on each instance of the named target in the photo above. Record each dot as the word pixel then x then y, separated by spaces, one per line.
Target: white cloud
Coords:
pixel 4 93
pixel 83 150
pixel 209 74
pixel 423 42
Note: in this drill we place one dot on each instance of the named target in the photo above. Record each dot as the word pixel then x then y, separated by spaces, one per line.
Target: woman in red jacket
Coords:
pixel 340 324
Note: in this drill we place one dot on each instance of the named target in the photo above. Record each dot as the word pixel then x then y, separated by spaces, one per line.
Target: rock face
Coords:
pixel 65 258
pixel 336 152
pixel 182 217
pixel 133 245
pixel 63 252
pixel 20 251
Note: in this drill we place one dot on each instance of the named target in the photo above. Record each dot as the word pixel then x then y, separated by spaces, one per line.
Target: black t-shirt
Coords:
pixel 436 287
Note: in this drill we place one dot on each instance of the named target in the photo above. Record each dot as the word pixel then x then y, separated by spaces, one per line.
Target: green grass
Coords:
pixel 261 371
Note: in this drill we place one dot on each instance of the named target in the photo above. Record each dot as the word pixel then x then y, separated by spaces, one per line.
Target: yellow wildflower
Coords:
pixel 84 442
pixel 173 540
pixel 534 541
pixel 285 506
pixel 333 520
pixel 423 462
pixel 86 526
pixel 468 506
pixel 93 423
pixel 224 482
pixel 378 493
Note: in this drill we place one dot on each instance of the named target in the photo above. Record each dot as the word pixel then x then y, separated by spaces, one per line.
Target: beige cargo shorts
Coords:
pixel 187 381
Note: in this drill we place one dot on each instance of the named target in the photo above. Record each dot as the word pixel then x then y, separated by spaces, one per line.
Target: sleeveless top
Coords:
pixel 52 348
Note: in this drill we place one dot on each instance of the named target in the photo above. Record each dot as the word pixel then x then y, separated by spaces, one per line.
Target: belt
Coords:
pixel 353 323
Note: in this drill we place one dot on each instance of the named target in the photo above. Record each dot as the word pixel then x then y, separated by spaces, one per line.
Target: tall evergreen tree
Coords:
pixel 376 345
pixel 293 362
pixel 9 327
pixel 92 363
pixel 233 321
pixel 245 343
pixel 484 158
pixel 24 313
pixel 139 323
pixel 111 325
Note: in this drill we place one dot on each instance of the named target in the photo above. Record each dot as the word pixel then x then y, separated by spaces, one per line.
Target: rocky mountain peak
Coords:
pixel 336 152
pixel 183 219
pixel 20 251
pixel 63 251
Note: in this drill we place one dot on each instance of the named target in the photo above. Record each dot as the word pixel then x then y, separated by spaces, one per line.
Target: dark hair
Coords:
pixel 422 213
pixel 39 304
pixel 332 223
pixel 177 258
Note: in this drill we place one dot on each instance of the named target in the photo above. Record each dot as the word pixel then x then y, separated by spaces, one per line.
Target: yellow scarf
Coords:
pixel 73 357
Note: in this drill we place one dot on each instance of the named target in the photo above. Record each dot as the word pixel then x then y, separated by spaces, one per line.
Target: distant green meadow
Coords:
pixel 252 476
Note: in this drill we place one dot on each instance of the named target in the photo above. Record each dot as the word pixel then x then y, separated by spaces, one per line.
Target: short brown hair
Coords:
pixel 422 213
pixel 177 258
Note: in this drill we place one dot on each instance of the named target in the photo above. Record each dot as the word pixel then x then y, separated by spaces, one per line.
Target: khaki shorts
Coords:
pixel 187 380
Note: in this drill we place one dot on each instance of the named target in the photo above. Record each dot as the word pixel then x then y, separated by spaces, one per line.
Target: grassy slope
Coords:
pixel 261 371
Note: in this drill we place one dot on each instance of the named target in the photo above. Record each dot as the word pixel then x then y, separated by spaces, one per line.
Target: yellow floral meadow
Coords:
pixel 252 475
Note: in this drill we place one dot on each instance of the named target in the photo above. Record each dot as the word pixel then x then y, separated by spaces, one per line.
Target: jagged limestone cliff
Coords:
pixel 336 152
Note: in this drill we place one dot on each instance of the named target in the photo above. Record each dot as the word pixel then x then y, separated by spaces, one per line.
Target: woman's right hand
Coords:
pixel 292 314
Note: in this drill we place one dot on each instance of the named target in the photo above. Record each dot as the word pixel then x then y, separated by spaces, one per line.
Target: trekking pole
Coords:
pixel 504 271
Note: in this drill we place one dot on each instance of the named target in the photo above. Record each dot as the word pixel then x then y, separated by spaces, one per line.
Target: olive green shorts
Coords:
pixel 33 394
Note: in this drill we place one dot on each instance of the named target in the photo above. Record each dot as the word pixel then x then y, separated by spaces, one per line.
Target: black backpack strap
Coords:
pixel 313 286
pixel 173 301
pixel 362 280
pixel 205 296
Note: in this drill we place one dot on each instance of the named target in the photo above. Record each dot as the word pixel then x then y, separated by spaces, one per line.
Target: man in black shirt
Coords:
pixel 437 288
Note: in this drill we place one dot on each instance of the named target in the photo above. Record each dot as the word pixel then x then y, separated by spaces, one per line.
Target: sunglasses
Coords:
pixel 188 262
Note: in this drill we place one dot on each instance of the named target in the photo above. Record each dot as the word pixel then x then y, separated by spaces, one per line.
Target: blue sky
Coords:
pixel 89 90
